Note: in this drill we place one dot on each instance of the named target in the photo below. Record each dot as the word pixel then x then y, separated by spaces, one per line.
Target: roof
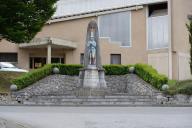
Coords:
pixel 72 7
pixel 55 42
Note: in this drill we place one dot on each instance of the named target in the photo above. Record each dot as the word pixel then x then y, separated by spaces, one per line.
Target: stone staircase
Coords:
pixel 108 100
pixel 125 90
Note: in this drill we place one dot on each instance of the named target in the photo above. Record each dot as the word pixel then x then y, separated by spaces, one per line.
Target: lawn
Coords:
pixel 5 80
pixel 180 87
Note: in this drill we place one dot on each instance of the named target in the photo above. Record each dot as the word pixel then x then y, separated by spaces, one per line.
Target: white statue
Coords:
pixel 92 50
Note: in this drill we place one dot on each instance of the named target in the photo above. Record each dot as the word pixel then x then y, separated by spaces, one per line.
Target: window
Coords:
pixel 117 26
pixel 115 58
pixel 158 26
pixel 57 60
pixel 8 57
pixel 158 9
pixel 82 58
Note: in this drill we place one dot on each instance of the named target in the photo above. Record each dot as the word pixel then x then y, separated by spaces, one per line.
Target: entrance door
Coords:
pixel 37 62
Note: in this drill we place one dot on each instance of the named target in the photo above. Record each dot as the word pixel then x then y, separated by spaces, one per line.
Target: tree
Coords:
pixel 21 20
pixel 189 26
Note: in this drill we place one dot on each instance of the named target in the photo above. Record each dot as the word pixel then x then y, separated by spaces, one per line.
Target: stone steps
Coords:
pixel 91 97
pixel 90 100
pixel 85 103
pixel 90 103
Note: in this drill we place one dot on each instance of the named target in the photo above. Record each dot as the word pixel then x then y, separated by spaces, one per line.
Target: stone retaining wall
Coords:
pixel 67 85
pixel 129 84
pixel 5 98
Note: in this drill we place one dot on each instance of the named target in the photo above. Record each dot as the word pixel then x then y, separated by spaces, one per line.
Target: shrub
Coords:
pixel 116 69
pixel 173 84
pixel 33 76
pixel 150 75
pixel 68 69
pixel 185 87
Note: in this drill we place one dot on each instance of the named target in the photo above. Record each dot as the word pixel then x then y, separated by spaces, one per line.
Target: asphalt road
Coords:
pixel 99 117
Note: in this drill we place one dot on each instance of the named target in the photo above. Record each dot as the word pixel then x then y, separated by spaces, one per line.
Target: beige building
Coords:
pixel 142 31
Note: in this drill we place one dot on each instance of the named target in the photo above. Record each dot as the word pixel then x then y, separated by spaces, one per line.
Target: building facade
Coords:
pixel 131 31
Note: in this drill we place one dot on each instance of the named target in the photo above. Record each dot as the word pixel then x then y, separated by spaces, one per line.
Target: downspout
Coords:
pixel 170 56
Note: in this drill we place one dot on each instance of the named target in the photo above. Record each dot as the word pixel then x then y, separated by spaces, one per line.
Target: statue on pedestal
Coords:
pixel 92 75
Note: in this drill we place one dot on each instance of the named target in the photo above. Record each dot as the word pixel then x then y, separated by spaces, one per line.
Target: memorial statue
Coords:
pixel 92 75
pixel 92 49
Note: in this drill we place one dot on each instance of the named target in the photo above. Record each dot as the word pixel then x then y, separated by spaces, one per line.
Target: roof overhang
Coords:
pixel 75 9
pixel 93 14
pixel 44 42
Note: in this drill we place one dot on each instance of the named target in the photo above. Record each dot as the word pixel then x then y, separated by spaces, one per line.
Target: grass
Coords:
pixel 180 87
pixel 5 80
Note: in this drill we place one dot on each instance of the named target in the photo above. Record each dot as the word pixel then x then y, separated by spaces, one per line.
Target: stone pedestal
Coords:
pixel 92 77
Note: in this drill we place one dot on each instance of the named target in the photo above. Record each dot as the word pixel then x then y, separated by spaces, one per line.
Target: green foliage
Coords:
pixel 173 84
pixel 186 89
pixel 150 75
pixel 189 26
pixel 180 87
pixel 67 69
pixel 5 80
pixel 116 69
pixel 20 20
pixel 33 76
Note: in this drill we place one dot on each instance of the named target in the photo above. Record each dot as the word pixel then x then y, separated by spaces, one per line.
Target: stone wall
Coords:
pixel 5 98
pixel 66 85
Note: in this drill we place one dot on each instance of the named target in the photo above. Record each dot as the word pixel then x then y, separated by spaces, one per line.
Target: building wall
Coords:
pixel 75 30
pixel 180 43
pixel 8 47
pixel 159 60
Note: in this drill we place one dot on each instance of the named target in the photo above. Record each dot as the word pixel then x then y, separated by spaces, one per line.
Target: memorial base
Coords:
pixel 92 77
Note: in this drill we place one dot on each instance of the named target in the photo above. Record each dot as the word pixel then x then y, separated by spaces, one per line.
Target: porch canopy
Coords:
pixel 44 42
pixel 49 43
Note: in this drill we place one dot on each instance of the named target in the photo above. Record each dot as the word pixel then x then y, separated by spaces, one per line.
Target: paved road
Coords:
pixel 99 117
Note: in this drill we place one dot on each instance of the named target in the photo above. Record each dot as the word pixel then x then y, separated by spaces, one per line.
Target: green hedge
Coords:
pixel 33 76
pixel 109 69
pixel 186 89
pixel 116 69
pixel 150 75
pixel 68 69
